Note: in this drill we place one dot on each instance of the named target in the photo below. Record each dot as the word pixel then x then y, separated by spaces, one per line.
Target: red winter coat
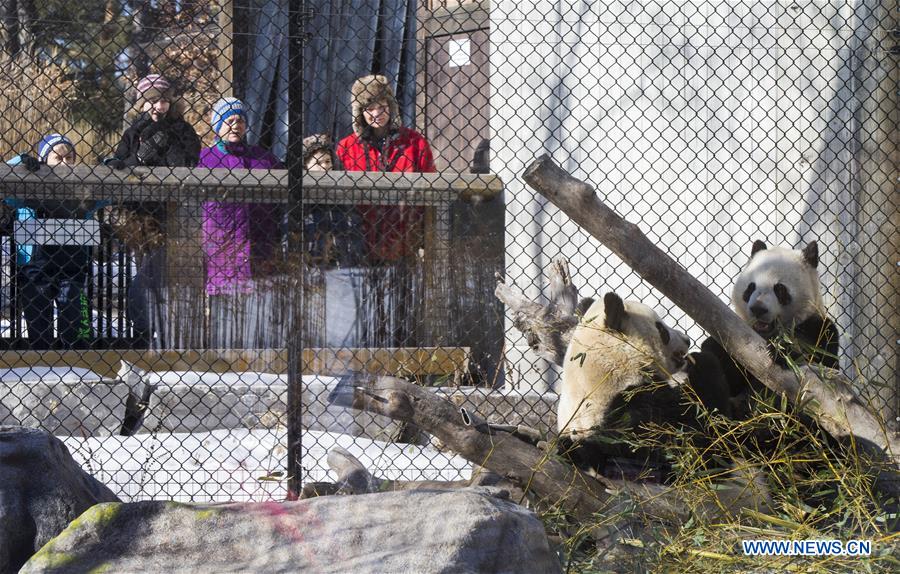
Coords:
pixel 391 232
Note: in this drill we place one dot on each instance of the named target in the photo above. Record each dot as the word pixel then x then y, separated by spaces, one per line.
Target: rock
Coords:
pixel 42 489
pixel 70 401
pixel 396 532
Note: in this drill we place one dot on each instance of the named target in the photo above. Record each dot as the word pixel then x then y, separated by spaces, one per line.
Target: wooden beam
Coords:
pixel 226 48
pixel 106 362
pixel 182 184
pixel 411 361
pixel 401 362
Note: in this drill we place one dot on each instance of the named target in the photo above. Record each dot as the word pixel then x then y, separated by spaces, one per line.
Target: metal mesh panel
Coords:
pixel 247 279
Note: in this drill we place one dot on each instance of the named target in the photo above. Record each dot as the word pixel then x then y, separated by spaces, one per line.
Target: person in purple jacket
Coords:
pixel 239 239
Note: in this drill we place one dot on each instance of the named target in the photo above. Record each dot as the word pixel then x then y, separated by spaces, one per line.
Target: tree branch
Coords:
pixel 556 483
pixel 547 328
pixel 606 504
pixel 828 395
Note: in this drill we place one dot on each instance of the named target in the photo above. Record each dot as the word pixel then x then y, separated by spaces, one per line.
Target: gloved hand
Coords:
pixel 153 147
pixel 32 164
pixel 7 216
pixel 114 163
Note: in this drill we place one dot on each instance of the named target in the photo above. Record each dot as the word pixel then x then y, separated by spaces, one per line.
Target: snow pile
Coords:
pixel 42 374
pixel 242 464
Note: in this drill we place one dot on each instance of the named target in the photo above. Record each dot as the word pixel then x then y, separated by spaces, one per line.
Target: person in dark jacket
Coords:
pixel 157 137
pixel 53 274
pixel 332 233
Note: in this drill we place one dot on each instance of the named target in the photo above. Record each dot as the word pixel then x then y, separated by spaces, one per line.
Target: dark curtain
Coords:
pixel 349 39
pixel 265 92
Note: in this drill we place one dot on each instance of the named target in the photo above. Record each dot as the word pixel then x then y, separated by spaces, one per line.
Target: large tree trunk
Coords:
pixel 472 439
pixel 550 484
pixel 828 395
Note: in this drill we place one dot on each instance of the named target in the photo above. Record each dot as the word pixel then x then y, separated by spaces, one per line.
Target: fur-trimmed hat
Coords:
pixel 50 141
pixel 314 143
pixel 369 90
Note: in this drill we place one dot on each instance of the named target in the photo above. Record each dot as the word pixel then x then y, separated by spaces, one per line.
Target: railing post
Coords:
pixel 294 164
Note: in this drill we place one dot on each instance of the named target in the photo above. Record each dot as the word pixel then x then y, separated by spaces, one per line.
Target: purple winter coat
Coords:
pixel 238 238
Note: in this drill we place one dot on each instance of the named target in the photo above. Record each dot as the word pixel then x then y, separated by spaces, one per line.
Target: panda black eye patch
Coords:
pixel 784 296
pixel 749 291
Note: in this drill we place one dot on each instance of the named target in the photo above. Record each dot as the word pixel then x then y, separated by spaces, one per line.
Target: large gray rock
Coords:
pixel 42 489
pixel 398 532
pixel 64 401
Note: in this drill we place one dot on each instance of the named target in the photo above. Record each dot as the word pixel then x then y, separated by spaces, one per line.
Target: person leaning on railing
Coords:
pixel 53 273
pixel 379 142
pixel 239 239
pixel 333 233
pixel 158 137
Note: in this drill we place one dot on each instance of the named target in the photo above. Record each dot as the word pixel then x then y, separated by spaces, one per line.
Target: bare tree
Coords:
pixel 18 23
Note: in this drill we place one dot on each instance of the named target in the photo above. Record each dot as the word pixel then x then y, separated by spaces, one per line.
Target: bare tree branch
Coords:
pixel 547 328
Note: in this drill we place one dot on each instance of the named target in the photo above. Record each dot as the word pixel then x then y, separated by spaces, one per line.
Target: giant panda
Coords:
pixel 778 294
pixel 615 380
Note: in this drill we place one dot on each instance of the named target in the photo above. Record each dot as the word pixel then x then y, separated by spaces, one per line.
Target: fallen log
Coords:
pixel 827 395
pixel 552 482
pixel 609 505
pixel 354 478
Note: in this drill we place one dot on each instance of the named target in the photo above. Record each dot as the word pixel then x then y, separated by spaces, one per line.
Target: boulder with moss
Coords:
pixel 42 489
pixel 420 531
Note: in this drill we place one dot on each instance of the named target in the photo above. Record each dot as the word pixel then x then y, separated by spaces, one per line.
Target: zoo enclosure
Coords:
pixel 708 124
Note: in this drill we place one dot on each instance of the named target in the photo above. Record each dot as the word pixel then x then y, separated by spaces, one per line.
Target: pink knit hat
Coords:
pixel 153 81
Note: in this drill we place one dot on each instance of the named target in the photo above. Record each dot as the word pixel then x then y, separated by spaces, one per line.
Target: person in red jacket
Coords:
pixel 379 142
pixel 393 235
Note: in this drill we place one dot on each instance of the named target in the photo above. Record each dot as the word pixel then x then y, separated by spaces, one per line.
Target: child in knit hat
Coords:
pixel 332 233
pixel 239 239
pixel 54 275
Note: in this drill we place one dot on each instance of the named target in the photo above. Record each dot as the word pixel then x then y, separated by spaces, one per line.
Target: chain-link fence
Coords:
pixel 214 212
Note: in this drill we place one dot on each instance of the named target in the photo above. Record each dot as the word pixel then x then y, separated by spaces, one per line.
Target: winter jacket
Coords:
pixel 69 259
pixel 391 232
pixel 181 148
pixel 239 239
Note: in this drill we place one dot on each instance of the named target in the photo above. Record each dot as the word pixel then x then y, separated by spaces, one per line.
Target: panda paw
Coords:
pixel 707 378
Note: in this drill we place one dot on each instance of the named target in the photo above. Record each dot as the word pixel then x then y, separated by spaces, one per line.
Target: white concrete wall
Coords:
pixel 709 124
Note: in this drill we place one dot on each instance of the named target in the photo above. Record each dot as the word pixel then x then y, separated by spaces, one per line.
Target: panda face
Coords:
pixel 675 343
pixel 778 288
pixel 666 345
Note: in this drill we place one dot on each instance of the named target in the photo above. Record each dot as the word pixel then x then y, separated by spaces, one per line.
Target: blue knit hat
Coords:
pixel 224 109
pixel 48 142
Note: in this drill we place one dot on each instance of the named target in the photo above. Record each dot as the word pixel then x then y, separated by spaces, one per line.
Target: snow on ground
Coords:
pixel 241 464
pixel 43 374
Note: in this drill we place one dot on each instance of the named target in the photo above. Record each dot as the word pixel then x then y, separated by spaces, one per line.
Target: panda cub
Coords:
pixel 778 295
pixel 614 380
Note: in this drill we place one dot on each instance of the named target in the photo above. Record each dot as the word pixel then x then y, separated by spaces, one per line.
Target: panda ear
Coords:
pixel 614 313
pixel 811 254
pixel 758 245
pixel 663 333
